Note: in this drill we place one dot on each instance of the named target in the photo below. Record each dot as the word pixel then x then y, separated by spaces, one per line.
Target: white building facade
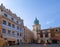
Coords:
pixel 11 25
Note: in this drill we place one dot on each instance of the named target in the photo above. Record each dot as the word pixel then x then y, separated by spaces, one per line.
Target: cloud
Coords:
pixel 2 1
pixel 49 22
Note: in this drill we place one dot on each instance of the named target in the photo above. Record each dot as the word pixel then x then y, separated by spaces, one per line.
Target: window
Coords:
pixel 20 29
pixel 9 24
pixel 13 25
pixel 13 32
pixel 41 34
pixel 17 21
pixel 3 30
pixel 1 10
pixel 9 31
pixel 20 34
pixel 4 22
pixel 17 34
pixel 5 15
pixel 46 34
pixel 56 30
pixel 17 27
pixel 12 18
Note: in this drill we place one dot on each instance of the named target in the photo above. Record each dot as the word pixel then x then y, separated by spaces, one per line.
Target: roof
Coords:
pixel 36 21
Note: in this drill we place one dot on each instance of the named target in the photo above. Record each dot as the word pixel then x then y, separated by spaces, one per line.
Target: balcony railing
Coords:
pixel 10 35
pixel 5 26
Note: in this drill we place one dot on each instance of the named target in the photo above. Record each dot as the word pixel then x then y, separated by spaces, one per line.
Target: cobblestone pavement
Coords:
pixel 37 45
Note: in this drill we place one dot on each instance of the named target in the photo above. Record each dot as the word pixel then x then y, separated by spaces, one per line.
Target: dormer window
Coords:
pixel 5 15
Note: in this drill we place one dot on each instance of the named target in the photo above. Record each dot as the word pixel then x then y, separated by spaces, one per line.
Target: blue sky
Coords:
pixel 47 11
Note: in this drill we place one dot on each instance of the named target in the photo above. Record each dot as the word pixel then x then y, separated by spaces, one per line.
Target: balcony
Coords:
pixel 5 26
pixel 8 35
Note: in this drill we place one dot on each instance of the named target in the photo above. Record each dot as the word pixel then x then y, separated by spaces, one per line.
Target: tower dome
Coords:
pixel 36 21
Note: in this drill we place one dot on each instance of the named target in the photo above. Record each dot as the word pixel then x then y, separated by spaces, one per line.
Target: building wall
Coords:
pixel 55 33
pixel 36 28
pixel 28 35
pixel 43 36
pixel 15 26
pixel 52 34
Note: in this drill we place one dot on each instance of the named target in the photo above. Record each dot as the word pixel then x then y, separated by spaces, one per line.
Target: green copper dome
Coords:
pixel 36 21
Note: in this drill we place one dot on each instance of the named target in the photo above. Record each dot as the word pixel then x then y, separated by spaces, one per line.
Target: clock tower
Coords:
pixel 36 28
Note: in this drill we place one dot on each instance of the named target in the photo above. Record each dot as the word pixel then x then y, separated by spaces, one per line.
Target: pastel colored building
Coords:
pixel 50 35
pixel 28 35
pixel 11 26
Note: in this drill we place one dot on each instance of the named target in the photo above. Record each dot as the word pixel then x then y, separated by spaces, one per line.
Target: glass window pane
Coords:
pixel 9 31
pixel 3 30
pixel 4 22
pixel 9 24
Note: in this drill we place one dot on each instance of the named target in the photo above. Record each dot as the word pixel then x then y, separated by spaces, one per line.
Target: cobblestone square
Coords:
pixel 37 45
